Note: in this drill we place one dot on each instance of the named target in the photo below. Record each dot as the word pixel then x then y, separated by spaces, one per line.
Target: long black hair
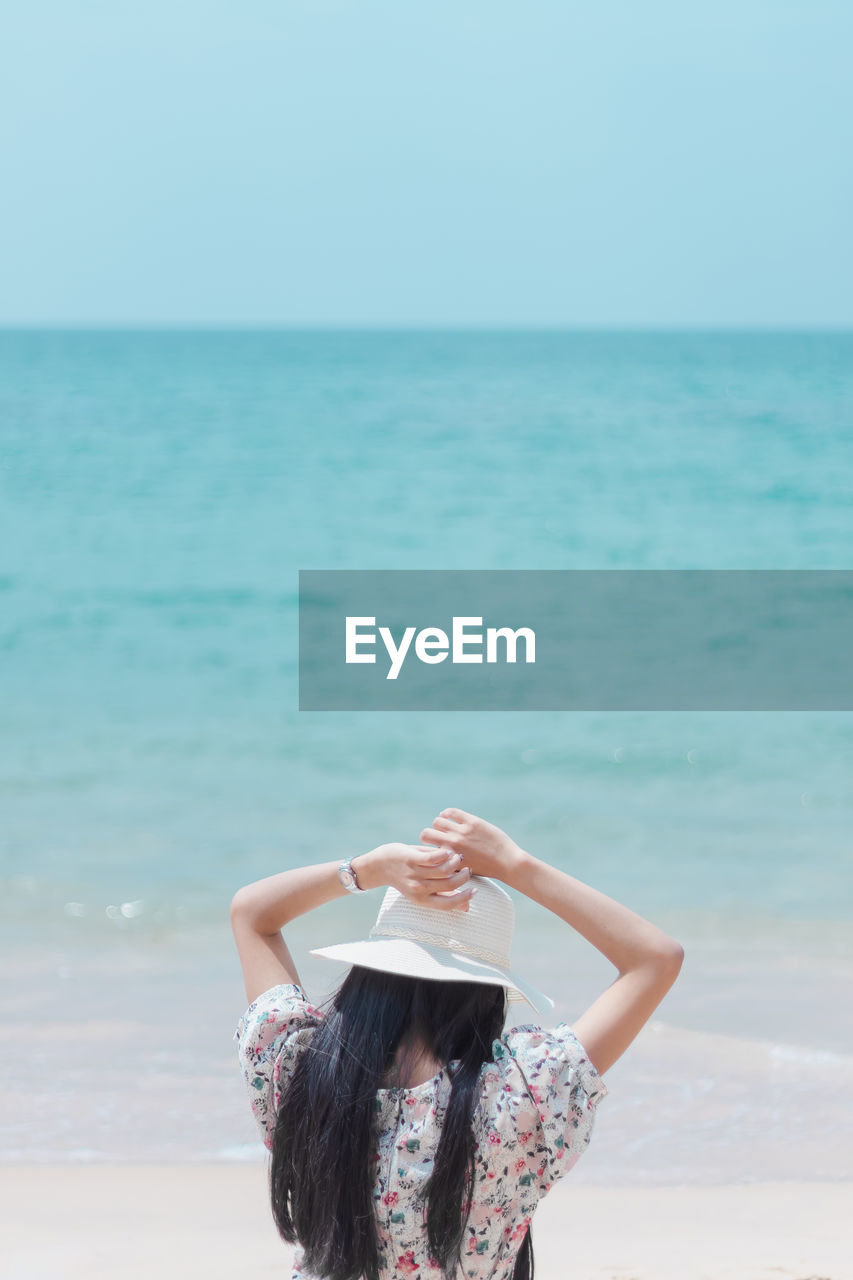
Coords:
pixel 322 1171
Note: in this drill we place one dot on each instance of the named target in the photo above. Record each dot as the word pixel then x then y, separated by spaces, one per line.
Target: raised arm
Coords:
pixel 261 909
pixel 647 959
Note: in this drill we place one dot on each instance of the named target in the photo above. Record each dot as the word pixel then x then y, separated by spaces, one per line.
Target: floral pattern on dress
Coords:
pixel 532 1123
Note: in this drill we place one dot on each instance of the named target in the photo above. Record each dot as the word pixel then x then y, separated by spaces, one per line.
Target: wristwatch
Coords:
pixel 346 875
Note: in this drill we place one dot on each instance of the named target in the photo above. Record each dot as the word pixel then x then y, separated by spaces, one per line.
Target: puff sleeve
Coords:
pixel 268 1037
pixel 549 1096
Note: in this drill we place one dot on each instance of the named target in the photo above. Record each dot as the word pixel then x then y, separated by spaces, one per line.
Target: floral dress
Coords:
pixel 532 1123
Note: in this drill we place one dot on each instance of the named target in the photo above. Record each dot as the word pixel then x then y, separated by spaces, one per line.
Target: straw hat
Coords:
pixel 456 945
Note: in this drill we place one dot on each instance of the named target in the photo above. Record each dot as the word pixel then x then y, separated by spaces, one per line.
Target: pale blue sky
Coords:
pixel 460 162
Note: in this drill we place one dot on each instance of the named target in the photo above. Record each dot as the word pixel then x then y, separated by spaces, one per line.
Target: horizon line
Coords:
pixel 431 326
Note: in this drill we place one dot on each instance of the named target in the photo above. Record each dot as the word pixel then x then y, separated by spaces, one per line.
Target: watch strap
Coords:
pixel 347 876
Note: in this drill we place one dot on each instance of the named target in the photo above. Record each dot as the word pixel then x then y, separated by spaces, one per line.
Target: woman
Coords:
pixel 410 1135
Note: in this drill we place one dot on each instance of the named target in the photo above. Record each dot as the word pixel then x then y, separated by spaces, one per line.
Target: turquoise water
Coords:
pixel 159 492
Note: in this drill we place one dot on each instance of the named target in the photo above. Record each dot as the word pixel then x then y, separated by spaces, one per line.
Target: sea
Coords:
pixel 160 489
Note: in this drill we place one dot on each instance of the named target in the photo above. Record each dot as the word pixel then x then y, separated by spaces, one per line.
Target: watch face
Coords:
pixel 346 877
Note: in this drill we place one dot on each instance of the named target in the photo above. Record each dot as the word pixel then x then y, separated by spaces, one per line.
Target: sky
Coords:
pixel 462 162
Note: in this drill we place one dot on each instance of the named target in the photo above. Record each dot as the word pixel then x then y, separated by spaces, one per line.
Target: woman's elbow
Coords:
pixel 239 904
pixel 669 956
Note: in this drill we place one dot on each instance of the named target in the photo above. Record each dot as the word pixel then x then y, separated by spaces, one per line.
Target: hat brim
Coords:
pixel 424 960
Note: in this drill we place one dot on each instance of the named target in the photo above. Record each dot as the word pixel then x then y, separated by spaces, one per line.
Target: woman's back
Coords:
pixel 534 1108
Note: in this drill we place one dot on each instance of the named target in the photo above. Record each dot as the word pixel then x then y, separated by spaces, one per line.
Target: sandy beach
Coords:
pixel 135 1221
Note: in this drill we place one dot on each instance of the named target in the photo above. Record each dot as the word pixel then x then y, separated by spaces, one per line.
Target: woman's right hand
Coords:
pixel 485 848
pixel 427 876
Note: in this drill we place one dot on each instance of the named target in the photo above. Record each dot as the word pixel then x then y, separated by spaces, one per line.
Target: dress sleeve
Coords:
pixel 268 1036
pixel 550 1093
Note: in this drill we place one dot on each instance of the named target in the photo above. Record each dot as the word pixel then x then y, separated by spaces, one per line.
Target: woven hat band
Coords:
pixel 438 940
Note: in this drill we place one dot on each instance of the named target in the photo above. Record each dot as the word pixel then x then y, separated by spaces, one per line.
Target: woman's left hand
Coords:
pixel 426 875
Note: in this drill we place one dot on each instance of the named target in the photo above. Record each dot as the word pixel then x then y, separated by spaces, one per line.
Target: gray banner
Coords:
pixel 575 640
